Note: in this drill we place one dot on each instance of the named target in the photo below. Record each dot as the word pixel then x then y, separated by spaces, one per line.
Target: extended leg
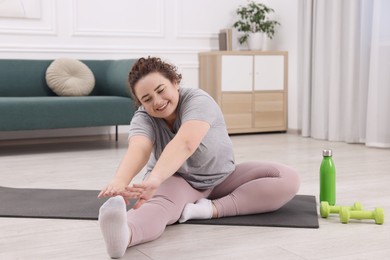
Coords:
pixel 149 221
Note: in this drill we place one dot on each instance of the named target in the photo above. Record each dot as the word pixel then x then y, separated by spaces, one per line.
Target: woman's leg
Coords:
pixel 149 221
pixel 255 187
pixel 121 229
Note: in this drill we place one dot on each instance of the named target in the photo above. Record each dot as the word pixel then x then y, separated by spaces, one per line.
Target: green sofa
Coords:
pixel 27 103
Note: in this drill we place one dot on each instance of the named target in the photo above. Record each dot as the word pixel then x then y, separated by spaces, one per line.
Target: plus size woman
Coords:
pixel 179 134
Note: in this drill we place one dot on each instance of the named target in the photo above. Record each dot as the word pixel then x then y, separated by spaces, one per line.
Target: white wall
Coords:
pixel 172 29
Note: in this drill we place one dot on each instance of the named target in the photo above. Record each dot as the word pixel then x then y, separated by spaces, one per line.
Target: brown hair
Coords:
pixel 145 66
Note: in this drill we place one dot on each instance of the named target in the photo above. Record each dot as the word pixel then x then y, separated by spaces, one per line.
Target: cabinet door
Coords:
pixel 269 72
pixel 237 73
pixel 237 110
pixel 269 110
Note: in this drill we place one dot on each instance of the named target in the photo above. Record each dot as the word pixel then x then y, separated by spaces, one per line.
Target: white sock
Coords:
pixel 113 225
pixel 202 209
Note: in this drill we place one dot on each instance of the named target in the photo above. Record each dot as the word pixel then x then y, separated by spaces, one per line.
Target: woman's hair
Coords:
pixel 145 66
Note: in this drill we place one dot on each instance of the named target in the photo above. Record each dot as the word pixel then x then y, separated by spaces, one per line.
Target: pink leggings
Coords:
pixel 253 187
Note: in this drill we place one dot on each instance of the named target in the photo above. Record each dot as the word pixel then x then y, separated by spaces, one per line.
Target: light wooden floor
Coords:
pixel 363 174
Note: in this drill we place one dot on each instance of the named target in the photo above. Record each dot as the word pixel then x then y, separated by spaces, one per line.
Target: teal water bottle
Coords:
pixel 328 178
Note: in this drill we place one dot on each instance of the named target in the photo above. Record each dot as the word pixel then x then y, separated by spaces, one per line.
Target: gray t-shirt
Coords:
pixel 213 160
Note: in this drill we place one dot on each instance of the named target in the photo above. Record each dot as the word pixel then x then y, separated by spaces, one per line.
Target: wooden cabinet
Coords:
pixel 250 87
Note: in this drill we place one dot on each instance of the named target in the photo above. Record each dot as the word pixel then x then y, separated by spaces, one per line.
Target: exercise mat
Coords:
pixel 50 203
pixel 300 212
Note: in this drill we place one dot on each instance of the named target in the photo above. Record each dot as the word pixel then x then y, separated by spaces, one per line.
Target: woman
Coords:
pixel 180 134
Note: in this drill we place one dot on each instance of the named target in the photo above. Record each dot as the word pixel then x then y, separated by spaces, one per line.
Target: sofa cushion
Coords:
pixel 24 78
pixel 70 77
pixel 111 76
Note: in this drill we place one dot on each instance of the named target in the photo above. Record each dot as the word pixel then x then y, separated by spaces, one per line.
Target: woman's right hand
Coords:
pixel 115 187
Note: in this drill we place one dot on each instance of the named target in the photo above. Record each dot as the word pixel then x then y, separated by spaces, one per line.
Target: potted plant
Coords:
pixel 254 23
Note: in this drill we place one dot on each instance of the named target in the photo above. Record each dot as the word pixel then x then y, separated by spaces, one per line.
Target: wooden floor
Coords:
pixel 363 174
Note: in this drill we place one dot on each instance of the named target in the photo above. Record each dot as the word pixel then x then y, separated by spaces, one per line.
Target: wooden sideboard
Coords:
pixel 249 86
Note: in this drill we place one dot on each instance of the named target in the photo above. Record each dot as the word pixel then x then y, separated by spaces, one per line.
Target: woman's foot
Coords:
pixel 202 209
pixel 113 225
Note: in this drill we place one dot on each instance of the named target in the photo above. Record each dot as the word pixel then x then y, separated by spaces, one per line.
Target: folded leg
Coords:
pixel 255 187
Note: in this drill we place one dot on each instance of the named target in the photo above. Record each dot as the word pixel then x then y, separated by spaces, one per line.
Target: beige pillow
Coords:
pixel 69 77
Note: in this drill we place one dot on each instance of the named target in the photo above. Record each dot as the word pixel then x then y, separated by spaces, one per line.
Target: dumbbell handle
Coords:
pixel 361 214
pixel 336 209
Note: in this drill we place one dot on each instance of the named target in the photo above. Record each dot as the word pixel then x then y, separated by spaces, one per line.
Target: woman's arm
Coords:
pixel 177 151
pixel 136 157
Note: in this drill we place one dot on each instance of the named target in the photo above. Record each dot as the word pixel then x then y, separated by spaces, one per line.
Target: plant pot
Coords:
pixel 255 41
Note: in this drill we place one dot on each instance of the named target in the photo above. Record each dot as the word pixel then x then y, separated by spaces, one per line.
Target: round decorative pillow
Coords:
pixel 70 77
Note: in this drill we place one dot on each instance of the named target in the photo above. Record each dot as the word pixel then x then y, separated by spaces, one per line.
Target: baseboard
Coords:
pixel 63 139
pixel 56 134
pixel 294 131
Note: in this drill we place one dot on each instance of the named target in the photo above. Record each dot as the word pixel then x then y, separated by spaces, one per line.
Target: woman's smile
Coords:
pixel 162 108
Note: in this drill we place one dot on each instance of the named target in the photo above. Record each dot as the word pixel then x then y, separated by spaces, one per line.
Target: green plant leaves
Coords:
pixel 254 18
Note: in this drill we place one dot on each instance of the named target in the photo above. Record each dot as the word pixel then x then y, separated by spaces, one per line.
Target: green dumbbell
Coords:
pixel 378 214
pixel 326 209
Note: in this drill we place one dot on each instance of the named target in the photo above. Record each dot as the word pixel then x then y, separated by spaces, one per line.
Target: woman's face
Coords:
pixel 158 96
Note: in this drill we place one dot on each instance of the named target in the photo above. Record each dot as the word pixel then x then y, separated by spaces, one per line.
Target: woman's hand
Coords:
pixel 115 187
pixel 136 157
pixel 142 191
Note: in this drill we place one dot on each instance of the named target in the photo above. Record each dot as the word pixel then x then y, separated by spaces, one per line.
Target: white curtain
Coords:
pixel 344 70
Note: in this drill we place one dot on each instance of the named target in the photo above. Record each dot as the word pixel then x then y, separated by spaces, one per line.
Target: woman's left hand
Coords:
pixel 142 191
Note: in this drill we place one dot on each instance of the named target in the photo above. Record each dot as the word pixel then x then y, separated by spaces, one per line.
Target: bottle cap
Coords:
pixel 327 153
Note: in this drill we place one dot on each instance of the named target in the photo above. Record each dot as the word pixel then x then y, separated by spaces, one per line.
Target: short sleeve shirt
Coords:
pixel 213 160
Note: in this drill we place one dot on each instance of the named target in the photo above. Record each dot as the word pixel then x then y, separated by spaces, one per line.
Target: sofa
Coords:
pixel 28 103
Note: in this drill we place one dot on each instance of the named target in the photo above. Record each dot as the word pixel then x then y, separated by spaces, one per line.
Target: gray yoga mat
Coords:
pixel 300 212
